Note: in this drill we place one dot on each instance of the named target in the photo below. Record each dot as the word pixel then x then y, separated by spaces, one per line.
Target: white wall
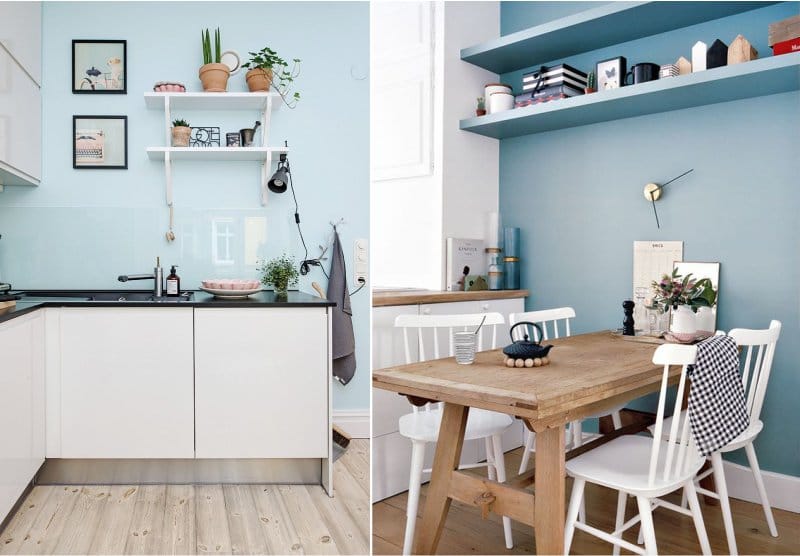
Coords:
pixel 411 215
pixel 470 161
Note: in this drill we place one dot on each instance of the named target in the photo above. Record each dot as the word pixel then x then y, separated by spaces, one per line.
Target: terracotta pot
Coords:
pixel 589 90
pixel 259 79
pixel 480 112
pixel 214 77
pixel 180 136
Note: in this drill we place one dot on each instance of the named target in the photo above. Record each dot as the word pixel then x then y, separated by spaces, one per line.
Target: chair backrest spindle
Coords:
pixel 543 318
pixel 755 373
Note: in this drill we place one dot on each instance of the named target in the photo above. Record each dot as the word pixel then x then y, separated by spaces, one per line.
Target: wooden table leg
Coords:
pixel 437 500
pixel 549 514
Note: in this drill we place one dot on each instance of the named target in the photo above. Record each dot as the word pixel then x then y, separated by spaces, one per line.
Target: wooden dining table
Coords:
pixel 587 374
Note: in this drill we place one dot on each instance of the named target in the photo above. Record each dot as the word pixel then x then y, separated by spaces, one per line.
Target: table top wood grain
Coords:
pixel 586 372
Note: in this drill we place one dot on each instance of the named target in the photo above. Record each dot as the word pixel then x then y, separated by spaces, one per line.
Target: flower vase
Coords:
pixel 684 323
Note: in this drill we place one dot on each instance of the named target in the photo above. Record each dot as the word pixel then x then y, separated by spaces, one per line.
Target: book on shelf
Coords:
pixel 465 257
pixel 554 75
pixel 555 82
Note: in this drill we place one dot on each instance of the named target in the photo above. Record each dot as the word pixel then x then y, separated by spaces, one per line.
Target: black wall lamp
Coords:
pixel 280 179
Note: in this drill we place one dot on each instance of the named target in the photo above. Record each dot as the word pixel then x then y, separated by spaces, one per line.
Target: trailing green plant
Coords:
pixel 205 36
pixel 280 273
pixel 282 75
pixel 180 123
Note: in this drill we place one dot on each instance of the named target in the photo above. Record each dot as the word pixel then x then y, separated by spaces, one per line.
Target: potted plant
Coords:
pixel 267 69
pixel 213 73
pixel 280 273
pixel 481 109
pixel 684 295
pixel 181 132
pixel 591 83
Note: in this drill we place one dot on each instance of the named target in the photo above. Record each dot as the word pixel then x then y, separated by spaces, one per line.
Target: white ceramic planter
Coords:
pixel 684 323
pixel 492 88
pixel 704 319
pixel 500 102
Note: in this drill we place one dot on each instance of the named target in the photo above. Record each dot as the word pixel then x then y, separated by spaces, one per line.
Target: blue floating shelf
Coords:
pixel 606 25
pixel 768 76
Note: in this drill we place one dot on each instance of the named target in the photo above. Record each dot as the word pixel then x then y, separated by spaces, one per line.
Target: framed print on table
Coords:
pixel 611 73
pixel 100 142
pixel 99 67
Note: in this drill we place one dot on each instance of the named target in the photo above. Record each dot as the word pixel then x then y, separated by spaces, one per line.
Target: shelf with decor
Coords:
pixel 765 76
pixel 216 153
pixel 262 103
pixel 606 25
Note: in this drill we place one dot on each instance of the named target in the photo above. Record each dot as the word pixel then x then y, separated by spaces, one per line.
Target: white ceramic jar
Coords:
pixel 500 102
pixel 495 88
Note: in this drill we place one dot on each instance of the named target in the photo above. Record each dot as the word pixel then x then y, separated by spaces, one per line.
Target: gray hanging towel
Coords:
pixel 344 343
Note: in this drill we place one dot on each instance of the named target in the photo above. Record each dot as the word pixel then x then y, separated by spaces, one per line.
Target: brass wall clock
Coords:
pixel 653 191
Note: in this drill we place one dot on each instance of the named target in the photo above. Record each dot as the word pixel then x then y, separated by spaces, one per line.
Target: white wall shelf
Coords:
pixel 212 101
pixel 231 154
pixel 263 103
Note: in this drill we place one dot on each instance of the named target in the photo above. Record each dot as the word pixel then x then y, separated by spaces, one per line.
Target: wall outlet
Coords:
pixel 360 261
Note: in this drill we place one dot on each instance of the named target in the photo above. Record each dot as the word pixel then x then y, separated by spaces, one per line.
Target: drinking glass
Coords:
pixel 465 343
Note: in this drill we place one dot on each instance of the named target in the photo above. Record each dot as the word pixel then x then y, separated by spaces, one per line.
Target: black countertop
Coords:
pixel 30 300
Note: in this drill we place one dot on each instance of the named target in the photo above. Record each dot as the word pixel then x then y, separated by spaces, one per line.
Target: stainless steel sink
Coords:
pixel 121 296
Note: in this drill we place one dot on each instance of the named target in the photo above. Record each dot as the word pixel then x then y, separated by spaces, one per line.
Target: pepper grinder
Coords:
pixel 627 323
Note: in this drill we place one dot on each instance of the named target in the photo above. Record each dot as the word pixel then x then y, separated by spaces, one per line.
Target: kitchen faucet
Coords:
pixel 157 276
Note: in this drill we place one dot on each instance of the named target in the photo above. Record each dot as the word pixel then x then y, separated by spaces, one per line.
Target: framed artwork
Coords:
pixel 100 142
pixel 99 67
pixel 204 137
pixel 611 73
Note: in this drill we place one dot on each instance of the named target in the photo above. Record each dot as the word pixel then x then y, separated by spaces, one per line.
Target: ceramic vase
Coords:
pixel 705 320
pixel 684 323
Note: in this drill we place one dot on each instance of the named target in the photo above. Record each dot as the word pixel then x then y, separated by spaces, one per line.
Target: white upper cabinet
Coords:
pixel 20 94
pixel 21 35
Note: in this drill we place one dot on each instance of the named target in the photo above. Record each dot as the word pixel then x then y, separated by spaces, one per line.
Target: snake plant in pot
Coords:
pixel 267 70
pixel 213 73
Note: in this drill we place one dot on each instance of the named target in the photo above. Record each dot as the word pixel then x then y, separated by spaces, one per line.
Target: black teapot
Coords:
pixel 525 349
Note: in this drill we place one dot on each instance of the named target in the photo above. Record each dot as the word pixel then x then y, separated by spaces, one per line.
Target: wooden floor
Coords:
pixel 466 533
pixel 215 519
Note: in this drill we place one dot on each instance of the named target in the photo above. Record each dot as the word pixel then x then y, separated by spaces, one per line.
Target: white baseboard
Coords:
pixel 353 422
pixel 783 491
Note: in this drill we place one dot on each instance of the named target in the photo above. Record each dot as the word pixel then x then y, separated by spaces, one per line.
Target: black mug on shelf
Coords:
pixel 645 71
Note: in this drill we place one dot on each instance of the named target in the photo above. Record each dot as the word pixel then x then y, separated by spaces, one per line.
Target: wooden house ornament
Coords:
pixel 684 66
pixel 699 56
pixel 740 51
pixel 717 55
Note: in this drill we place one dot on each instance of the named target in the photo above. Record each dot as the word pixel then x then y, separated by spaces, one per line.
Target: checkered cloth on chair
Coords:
pixel 717 411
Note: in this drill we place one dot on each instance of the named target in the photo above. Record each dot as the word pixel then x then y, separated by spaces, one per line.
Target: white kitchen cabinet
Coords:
pixel 391 453
pixel 21 35
pixel 127 383
pixel 262 383
pixel 21 405
pixel 20 124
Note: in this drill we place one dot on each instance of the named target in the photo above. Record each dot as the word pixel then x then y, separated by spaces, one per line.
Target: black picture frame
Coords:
pixel 605 80
pixel 90 51
pixel 93 158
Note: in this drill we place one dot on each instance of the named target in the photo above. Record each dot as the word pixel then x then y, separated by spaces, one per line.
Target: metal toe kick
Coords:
pixel 179 471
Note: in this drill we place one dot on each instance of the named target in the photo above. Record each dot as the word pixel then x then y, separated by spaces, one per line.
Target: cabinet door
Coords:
pixel 262 378
pixel 21 35
pixel 21 406
pixel 127 382
pixel 20 121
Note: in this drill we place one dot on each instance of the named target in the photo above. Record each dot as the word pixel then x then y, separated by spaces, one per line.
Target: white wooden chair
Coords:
pixel 758 350
pixel 644 467
pixel 421 426
pixel 550 319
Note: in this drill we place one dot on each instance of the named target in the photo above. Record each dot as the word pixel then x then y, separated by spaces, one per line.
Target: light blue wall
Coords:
pixel 82 228
pixel 577 195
